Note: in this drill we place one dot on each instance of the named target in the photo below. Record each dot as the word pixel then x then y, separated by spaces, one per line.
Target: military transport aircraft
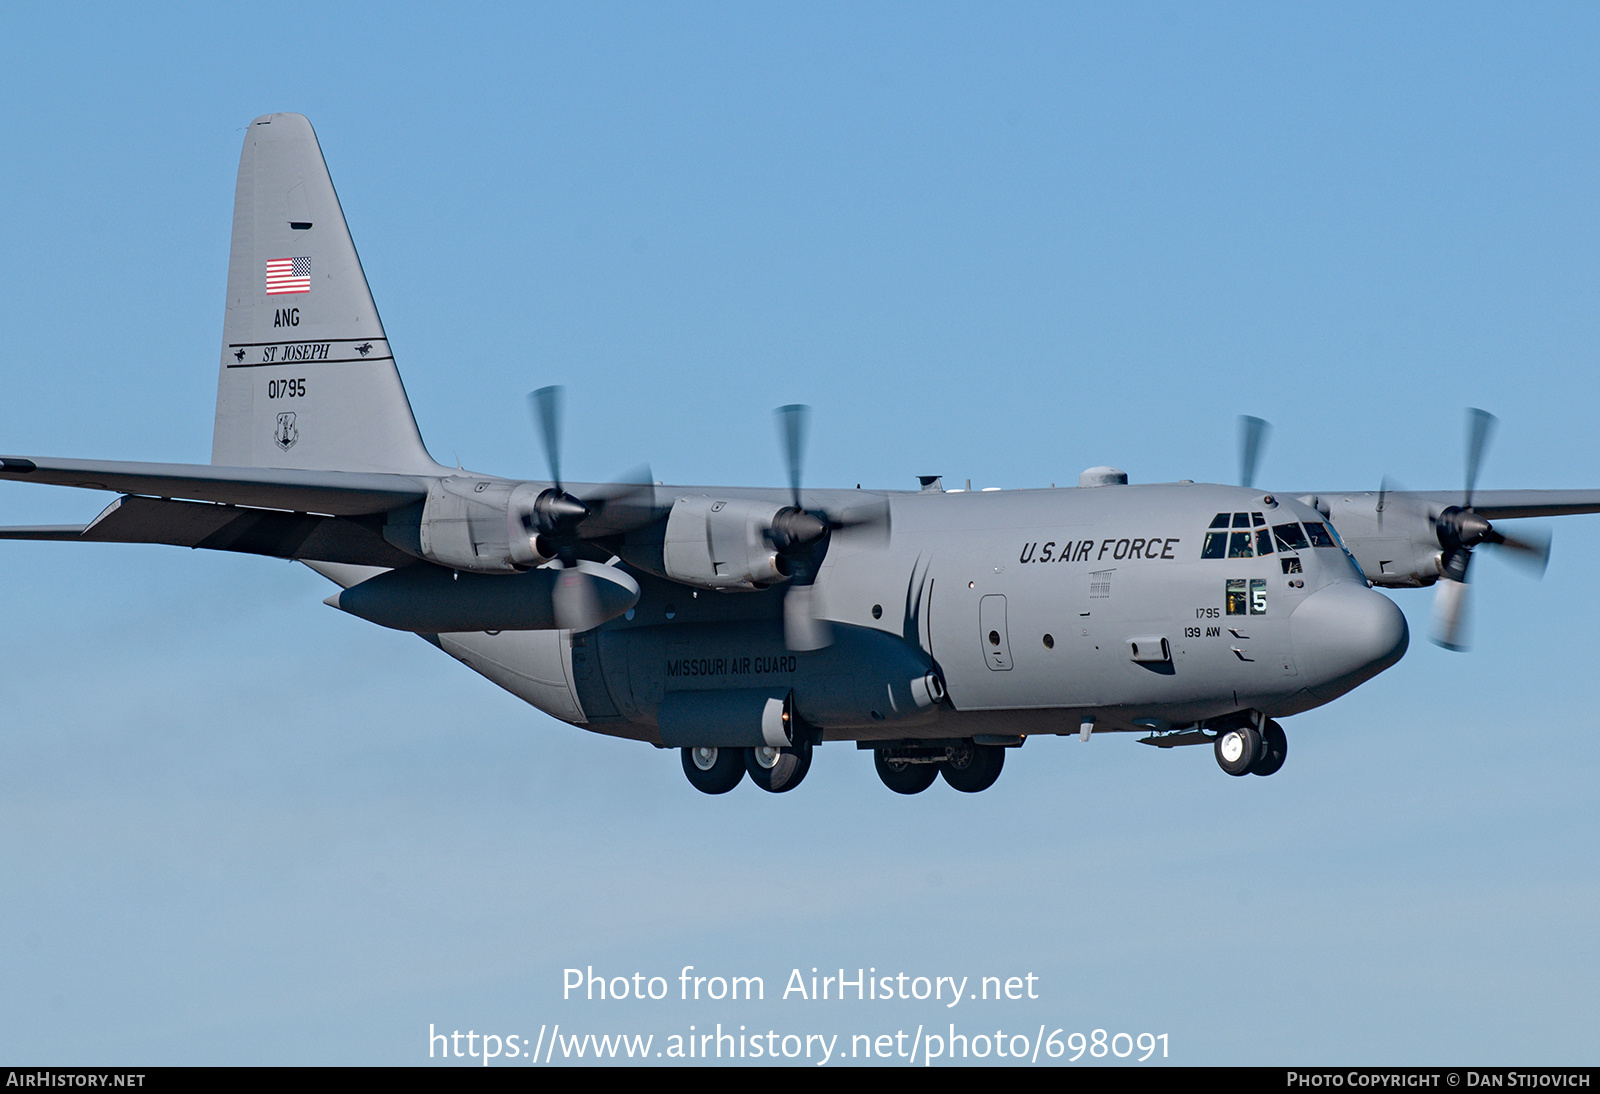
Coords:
pixel 937 628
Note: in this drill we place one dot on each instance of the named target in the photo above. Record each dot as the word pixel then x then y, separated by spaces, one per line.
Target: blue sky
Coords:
pixel 236 826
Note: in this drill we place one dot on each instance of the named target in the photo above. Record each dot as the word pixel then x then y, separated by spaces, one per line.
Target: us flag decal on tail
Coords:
pixel 285 275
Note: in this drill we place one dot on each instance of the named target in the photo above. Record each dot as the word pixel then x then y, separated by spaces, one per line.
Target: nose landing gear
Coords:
pixel 1246 750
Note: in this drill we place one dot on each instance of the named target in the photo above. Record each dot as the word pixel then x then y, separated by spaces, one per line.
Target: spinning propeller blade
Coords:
pixel 546 406
pixel 1460 528
pixel 1479 425
pixel 562 521
pixel 792 431
pixel 576 601
pixel 802 537
pixel 1252 435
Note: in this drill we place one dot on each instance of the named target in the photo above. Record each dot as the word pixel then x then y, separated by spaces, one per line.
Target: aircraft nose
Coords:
pixel 1345 634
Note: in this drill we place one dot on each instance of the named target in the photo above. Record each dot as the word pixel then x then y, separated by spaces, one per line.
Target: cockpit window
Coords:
pixel 1245 536
pixel 1290 537
pixel 1319 534
pixel 1250 539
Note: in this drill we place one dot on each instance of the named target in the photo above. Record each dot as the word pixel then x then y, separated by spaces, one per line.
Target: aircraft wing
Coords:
pixel 228 528
pixel 1509 504
pixel 337 493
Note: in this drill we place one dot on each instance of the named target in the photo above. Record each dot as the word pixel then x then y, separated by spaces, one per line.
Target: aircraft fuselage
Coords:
pixel 990 614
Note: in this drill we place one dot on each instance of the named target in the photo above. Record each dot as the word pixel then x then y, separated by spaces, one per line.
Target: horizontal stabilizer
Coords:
pixel 43 531
pixel 227 528
pixel 339 493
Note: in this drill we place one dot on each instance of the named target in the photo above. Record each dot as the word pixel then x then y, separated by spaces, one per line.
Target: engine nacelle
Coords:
pixel 721 544
pixel 1399 551
pixel 473 525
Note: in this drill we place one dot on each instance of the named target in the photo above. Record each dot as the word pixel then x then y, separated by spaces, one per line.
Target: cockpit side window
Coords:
pixel 1319 534
pixel 1290 537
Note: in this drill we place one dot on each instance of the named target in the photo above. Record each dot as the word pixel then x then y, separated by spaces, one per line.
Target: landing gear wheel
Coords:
pixel 903 776
pixel 713 770
pixel 776 770
pixel 973 767
pixel 1237 749
pixel 1274 747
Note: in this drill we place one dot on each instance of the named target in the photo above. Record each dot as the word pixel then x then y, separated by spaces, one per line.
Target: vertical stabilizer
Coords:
pixel 307 379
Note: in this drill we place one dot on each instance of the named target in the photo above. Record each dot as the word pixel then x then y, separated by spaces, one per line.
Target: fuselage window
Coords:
pixel 1241 520
pixel 1241 603
pixel 1239 547
pixel 1238 599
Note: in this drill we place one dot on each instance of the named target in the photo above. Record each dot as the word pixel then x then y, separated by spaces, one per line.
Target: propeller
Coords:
pixel 1460 528
pixel 1252 435
pixel 562 520
pixel 801 538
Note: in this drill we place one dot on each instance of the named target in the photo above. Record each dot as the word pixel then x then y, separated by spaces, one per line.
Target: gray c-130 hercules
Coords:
pixel 745 626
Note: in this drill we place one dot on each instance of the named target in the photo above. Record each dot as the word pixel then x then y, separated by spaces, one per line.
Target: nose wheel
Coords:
pixel 1237 749
pixel 1274 749
pixel 1245 750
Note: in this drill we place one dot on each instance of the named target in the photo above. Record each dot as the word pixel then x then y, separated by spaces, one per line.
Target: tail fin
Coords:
pixel 307 380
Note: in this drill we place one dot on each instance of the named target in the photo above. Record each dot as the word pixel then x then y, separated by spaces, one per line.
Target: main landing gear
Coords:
pixel 777 770
pixel 713 770
pixel 1246 750
pixel 965 765
pixel 719 770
